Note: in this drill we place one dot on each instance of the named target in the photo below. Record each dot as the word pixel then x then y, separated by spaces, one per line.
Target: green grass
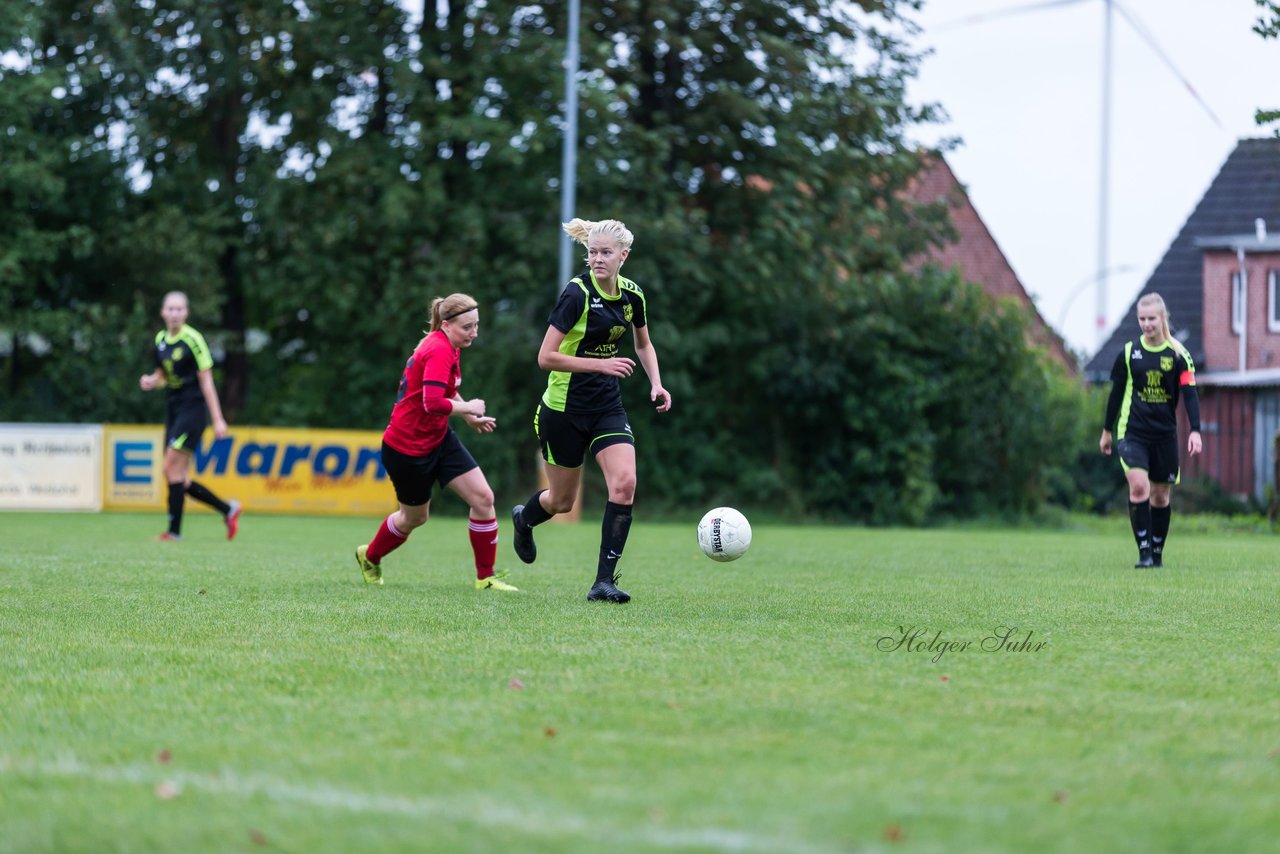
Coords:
pixel 744 706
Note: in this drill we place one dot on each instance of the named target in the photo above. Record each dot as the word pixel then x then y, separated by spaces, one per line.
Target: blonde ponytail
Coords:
pixel 582 230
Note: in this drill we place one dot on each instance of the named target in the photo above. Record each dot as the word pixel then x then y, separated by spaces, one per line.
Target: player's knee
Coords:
pixel 1139 493
pixel 555 503
pixel 623 490
pixel 482 501
pixel 414 517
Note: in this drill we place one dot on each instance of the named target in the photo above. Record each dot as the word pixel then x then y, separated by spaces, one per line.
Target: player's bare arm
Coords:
pixel 648 357
pixel 551 359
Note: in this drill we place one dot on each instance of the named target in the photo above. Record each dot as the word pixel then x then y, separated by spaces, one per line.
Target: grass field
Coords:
pixel 256 695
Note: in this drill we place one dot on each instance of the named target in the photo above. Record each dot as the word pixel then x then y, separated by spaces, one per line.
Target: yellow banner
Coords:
pixel 268 469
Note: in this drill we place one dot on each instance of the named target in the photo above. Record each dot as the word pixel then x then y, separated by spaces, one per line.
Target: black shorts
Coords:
pixel 413 477
pixel 565 437
pixel 184 424
pixel 1157 457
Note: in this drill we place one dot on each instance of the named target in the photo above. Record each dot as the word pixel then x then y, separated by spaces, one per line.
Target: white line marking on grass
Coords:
pixel 461 810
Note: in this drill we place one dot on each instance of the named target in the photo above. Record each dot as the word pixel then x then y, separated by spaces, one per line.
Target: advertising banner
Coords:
pixel 268 469
pixel 50 467
pixel 132 466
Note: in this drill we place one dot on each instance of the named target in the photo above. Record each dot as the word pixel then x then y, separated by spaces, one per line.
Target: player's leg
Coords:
pixel 1135 458
pixel 230 510
pixel 618 463
pixel 412 478
pixel 176 465
pixel 1161 512
pixel 482 525
pixel 563 444
pixel 1140 513
pixel 392 533
pixel 1164 474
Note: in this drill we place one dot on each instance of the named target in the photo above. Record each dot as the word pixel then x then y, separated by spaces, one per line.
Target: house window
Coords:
pixel 1237 303
pixel 1273 300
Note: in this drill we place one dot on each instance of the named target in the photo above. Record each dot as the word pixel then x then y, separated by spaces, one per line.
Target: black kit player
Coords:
pixel 581 409
pixel 184 369
pixel 1149 376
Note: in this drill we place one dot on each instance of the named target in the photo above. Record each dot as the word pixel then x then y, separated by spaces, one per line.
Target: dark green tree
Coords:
pixel 1268 26
pixel 313 174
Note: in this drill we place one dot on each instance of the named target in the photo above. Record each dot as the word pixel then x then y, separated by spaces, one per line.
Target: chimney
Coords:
pixel 1260 229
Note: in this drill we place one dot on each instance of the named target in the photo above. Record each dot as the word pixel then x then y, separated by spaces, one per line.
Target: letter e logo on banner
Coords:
pixel 132 462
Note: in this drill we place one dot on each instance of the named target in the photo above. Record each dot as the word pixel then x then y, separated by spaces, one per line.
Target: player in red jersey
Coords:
pixel 420 449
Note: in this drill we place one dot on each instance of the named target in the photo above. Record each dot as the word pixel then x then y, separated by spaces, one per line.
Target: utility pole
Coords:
pixel 1104 180
pixel 569 165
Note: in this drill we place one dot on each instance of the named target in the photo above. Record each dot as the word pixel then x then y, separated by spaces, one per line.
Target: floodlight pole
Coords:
pixel 1103 182
pixel 569 165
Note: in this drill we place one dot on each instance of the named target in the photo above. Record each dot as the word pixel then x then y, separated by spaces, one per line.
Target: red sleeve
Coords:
pixel 437 365
pixel 433 399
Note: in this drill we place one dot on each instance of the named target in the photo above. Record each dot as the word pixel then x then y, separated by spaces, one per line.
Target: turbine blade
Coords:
pixel 1150 39
pixel 1003 13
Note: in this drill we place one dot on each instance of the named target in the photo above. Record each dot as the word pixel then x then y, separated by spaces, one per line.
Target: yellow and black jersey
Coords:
pixel 593 323
pixel 1145 386
pixel 182 357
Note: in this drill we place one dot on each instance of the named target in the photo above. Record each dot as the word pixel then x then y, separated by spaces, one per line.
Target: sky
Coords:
pixel 1024 95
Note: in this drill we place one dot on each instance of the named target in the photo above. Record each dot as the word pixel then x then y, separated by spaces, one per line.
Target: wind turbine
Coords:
pixel 1103 269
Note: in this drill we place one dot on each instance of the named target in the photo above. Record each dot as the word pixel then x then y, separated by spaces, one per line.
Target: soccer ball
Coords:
pixel 724 534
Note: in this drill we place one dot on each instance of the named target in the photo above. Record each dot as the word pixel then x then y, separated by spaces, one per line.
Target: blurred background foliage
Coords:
pixel 312 174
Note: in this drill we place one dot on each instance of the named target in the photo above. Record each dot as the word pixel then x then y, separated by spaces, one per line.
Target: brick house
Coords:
pixel 1220 280
pixel 976 255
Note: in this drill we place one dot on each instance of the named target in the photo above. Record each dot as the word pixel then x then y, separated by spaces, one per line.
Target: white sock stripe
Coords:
pixel 483 526
pixel 391 526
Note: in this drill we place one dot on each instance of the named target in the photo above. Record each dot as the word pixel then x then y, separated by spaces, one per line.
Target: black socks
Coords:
pixel 200 493
pixel 1140 520
pixel 533 514
pixel 176 494
pixel 613 539
pixel 1160 527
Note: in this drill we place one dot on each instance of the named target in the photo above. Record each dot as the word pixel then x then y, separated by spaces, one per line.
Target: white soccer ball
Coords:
pixel 724 534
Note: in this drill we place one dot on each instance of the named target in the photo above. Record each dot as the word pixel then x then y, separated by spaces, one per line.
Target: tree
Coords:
pixel 317 173
pixel 61 316
pixel 1268 26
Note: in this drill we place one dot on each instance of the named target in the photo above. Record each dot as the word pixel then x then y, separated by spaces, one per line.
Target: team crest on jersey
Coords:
pixel 627 313
pixel 616 332
pixel 1166 363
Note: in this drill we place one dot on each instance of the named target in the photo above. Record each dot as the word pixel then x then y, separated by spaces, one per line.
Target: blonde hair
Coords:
pixel 583 230
pixel 1156 301
pixel 447 308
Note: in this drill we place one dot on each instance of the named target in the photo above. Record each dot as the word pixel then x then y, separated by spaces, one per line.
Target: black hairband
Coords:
pixel 461 311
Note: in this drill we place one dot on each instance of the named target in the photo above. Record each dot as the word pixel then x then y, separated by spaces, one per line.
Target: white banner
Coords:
pixel 50 467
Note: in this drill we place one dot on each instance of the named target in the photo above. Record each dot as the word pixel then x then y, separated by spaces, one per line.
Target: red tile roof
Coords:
pixel 975 252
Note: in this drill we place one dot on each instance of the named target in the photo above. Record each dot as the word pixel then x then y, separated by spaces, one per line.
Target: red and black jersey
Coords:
pixel 433 370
